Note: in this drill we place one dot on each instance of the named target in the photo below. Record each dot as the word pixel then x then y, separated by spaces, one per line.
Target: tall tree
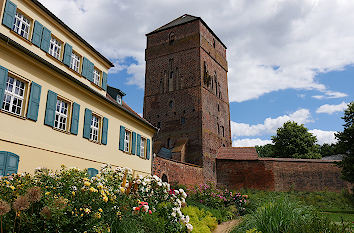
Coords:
pixel 294 141
pixel 346 144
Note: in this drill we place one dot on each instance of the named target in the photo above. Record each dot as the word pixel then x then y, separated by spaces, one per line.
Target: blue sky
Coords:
pixel 288 60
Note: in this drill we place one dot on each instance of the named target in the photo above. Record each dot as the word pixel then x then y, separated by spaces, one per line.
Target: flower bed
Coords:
pixel 69 201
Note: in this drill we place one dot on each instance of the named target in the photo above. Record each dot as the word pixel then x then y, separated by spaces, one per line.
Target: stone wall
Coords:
pixel 280 174
pixel 178 172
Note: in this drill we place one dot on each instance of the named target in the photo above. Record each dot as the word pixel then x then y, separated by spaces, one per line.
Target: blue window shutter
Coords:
pixel 138 139
pixel 148 149
pixel 11 163
pixel 37 33
pixel 104 81
pixel 46 36
pixel 90 71
pixel 33 103
pixel 68 50
pixel 84 67
pixel 133 143
pixel 3 80
pixel 50 108
pixel 104 131
pixel 87 123
pixel 121 138
pixel 74 128
pixel 9 14
pixel 92 172
pixel 3 156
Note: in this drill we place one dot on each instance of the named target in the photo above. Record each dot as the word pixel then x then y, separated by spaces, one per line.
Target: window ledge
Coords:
pixel 13 114
pixel 62 131
pixel 21 37
pixel 94 84
pixel 96 142
pixel 54 58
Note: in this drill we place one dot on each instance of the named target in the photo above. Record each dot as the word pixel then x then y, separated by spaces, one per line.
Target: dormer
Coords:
pixel 116 94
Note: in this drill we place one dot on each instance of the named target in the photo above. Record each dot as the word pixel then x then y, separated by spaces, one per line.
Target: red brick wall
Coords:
pixel 280 175
pixel 178 172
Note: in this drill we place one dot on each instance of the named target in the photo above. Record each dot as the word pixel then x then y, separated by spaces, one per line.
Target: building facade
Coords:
pixel 186 93
pixel 55 108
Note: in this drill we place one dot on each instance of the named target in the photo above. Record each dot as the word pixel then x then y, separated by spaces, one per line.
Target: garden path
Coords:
pixel 226 227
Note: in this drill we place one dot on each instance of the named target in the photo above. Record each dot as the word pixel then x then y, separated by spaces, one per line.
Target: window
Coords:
pixel 159 124
pixel 22 25
pixel 14 96
pixel 119 99
pixel 170 104
pixel 171 38
pixel 96 77
pixel 142 147
pixel 61 115
pixel 95 128
pixel 183 120
pixel 213 42
pixel 75 62
pixel 127 141
pixel 55 48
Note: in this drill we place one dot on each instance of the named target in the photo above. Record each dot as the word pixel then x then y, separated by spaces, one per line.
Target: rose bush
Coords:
pixel 69 201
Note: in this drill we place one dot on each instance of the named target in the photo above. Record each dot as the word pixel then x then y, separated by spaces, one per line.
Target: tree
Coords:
pixel 294 141
pixel 266 150
pixel 328 149
pixel 346 144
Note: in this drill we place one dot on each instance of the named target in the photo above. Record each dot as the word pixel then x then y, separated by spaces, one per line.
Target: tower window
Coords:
pixel 159 124
pixel 218 108
pixel 183 120
pixel 171 38
pixel 213 42
pixel 170 104
pixel 169 144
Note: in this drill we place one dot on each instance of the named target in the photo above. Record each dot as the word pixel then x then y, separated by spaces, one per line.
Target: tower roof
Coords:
pixel 186 18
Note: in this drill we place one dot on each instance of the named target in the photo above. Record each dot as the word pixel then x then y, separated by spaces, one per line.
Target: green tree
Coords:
pixel 265 151
pixel 346 144
pixel 294 141
pixel 328 149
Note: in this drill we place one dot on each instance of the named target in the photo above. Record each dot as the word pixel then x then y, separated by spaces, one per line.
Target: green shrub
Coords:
pixel 283 215
pixel 201 220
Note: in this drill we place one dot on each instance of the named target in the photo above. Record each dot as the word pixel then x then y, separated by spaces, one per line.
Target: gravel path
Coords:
pixel 226 227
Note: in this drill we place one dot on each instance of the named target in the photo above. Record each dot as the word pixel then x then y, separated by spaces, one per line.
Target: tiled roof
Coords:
pixel 237 153
pixel 126 107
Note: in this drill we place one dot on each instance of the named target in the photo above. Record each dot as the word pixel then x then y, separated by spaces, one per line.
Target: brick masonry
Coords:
pixel 280 175
pixel 178 172
pixel 186 96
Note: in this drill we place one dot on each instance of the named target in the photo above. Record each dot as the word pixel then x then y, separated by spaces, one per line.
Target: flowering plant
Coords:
pixel 69 201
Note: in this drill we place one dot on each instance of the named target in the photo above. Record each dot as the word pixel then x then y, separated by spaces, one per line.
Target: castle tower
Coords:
pixel 186 93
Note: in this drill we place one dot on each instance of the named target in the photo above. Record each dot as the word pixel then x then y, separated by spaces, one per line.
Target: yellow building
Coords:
pixel 56 107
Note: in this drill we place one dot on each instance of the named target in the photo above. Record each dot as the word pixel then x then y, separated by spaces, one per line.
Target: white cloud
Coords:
pixel 324 136
pixel 250 142
pixel 330 109
pixel 270 125
pixel 330 95
pixel 302 38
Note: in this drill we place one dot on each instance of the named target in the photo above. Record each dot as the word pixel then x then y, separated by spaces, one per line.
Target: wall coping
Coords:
pixel 172 160
pixel 284 160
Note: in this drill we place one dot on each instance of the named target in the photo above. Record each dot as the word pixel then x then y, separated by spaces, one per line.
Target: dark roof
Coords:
pixel 123 107
pixel 71 31
pixel 165 153
pixel 237 153
pixel 114 91
pixel 183 20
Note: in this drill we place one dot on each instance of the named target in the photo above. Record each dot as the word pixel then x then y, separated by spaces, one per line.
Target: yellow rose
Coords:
pixel 87 211
pixel 105 198
pixel 100 210
pixel 12 187
pixel 73 193
pixel 47 193
pixel 97 215
pixel 86 183
pixel 122 189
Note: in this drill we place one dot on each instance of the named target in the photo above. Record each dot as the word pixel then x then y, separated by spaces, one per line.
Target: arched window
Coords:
pixel 164 178
pixel 92 172
pixel 8 163
pixel 171 38
pixel 170 104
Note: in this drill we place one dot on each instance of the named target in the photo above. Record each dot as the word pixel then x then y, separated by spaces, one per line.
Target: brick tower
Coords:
pixel 186 93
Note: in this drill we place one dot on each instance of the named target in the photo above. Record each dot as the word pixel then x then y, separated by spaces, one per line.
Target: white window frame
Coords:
pixel 13 95
pixel 97 77
pixel 22 25
pixel 61 114
pixel 119 99
pixel 75 62
pixel 127 140
pixel 142 147
pixel 95 128
pixel 55 48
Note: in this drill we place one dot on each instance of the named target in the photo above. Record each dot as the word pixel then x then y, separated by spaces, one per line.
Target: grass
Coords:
pixel 287 215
